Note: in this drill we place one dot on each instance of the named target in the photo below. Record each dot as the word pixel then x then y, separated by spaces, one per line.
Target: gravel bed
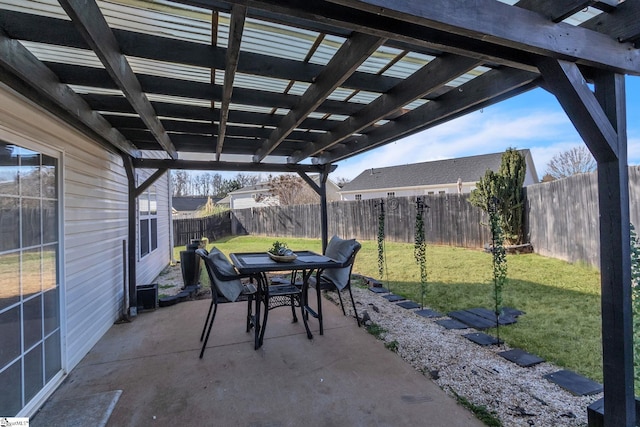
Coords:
pixel 517 396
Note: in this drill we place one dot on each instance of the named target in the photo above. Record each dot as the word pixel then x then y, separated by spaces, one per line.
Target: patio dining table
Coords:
pixel 258 264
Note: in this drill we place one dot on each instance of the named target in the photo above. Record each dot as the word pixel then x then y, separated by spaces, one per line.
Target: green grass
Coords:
pixel 481 412
pixel 561 300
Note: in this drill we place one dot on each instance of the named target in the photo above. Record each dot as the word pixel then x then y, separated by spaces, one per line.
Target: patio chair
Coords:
pixel 225 283
pixel 339 279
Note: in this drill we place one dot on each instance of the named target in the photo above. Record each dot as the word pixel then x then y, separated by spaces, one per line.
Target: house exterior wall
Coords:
pixel 92 222
pixel 247 200
pixel 408 192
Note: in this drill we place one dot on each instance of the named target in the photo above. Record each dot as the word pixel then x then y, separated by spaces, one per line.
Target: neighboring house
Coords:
pixel 254 196
pixel 63 223
pixel 187 206
pixel 438 177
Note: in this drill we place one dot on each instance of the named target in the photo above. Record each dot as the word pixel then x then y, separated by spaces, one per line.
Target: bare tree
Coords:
pixel 573 161
pixel 291 190
pixel 179 183
pixel 246 180
pixel 341 181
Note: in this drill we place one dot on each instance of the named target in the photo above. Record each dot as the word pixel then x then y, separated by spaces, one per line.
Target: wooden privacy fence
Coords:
pixel 449 220
pixel 213 227
pixel 562 217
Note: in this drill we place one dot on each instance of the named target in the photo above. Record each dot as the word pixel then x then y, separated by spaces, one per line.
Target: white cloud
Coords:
pixel 546 132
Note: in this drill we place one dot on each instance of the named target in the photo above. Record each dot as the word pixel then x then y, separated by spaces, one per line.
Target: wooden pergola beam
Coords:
pixel 471 95
pixel 555 10
pixel 20 63
pixel 623 23
pixel 435 74
pixel 353 52
pixel 88 19
pixel 238 14
pixel 229 166
pixel 60 32
pixel 528 32
pixel 99 78
pixel 117 104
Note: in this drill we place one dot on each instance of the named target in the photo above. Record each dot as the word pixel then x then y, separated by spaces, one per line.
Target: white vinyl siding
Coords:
pixel 95 219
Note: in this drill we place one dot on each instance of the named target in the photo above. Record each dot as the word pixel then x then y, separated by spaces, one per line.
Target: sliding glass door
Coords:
pixel 30 352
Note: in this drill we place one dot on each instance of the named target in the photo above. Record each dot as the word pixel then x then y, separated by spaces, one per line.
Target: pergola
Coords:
pixel 297 85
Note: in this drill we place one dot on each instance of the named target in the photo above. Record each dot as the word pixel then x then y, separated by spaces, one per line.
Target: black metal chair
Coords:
pixel 225 283
pixel 339 279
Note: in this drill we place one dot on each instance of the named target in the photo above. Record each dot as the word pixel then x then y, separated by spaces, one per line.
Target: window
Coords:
pixel 30 305
pixel 148 213
pixel 441 192
pixel 430 192
pixel 358 197
pixel 391 194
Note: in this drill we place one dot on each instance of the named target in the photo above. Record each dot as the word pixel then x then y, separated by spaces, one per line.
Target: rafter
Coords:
pixel 555 10
pixel 238 14
pixel 99 78
pixel 435 74
pixel 474 93
pixel 89 20
pixel 60 32
pixel 623 23
pixel 17 60
pixel 118 104
pixel 484 19
pixel 347 59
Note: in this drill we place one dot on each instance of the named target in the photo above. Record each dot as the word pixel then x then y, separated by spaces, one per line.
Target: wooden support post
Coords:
pixel 600 118
pixel 615 262
pixel 321 189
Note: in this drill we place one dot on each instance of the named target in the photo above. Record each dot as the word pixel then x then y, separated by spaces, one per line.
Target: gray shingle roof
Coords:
pixel 189 203
pixel 469 169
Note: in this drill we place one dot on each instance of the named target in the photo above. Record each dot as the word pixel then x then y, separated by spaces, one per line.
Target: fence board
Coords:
pixel 212 227
pixel 561 219
pixel 450 220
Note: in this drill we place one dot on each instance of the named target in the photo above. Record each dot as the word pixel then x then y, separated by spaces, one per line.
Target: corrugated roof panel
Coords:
pixel 379 59
pixel 249 108
pixel 340 94
pixel 169 69
pixel 63 55
pixel 299 88
pixel 277 40
pixel 166 19
pixel 329 46
pixel 95 90
pixel 249 81
pixel 478 71
pixel 178 100
pixel 408 65
pixel 364 97
pixel 49 8
pixel 415 104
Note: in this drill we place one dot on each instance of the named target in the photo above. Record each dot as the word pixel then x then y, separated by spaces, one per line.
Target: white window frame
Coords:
pixel 148 215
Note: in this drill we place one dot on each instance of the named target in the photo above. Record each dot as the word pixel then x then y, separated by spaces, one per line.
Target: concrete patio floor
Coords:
pixel 344 378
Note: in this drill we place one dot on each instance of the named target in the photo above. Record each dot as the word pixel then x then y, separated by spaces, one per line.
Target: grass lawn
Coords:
pixel 561 300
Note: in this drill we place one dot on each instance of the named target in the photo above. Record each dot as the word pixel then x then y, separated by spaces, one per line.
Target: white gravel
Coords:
pixel 518 396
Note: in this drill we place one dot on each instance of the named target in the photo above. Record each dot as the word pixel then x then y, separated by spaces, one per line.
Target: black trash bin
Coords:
pixel 190 264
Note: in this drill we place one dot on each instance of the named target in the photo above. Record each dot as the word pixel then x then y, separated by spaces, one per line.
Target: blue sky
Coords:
pixel 533 120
